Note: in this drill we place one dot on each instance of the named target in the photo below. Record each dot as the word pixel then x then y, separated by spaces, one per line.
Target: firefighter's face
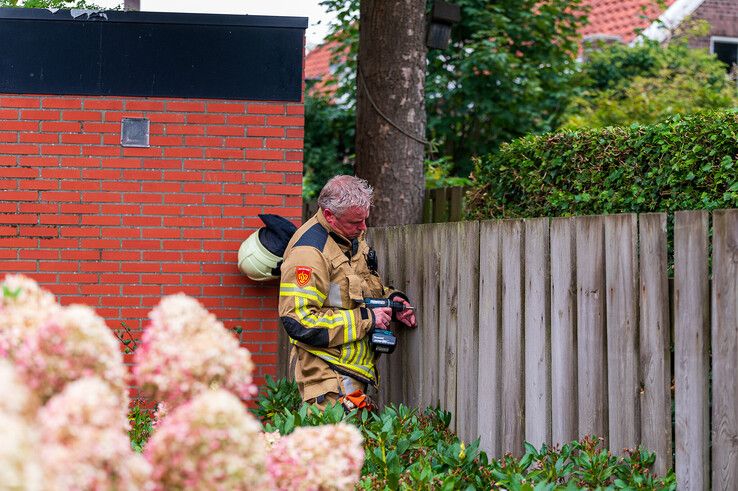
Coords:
pixel 351 223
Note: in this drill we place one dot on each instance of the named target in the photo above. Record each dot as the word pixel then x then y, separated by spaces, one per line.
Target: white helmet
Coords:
pixel 255 260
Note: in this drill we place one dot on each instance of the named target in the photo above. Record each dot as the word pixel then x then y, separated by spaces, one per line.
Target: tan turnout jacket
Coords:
pixel 324 279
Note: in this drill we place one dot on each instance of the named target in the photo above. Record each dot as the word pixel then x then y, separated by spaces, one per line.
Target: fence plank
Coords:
pixel 448 310
pixel 725 350
pixel 456 204
pixel 537 333
pixel 655 340
pixel 512 337
pixel 411 338
pixel 621 279
pixel 395 275
pixel 489 413
pixel 377 238
pixel 467 339
pixel 564 403
pixel 429 311
pixel 691 349
pixel 440 205
pixel 591 341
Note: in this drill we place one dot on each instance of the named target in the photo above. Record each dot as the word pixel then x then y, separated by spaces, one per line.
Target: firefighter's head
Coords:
pixel 345 201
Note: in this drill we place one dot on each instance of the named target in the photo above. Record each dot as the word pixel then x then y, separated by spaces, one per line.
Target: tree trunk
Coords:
pixel 390 89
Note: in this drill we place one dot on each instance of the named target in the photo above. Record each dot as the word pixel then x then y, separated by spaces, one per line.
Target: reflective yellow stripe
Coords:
pixel 366 371
pixel 310 293
pixel 309 319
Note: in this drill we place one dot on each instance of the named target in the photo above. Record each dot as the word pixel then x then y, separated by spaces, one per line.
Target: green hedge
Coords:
pixel 683 163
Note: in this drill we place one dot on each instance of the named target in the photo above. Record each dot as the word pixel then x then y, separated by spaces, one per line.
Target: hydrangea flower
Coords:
pixel 17 400
pixel 186 350
pixel 209 443
pixel 72 344
pixel 23 307
pixel 319 458
pixel 85 443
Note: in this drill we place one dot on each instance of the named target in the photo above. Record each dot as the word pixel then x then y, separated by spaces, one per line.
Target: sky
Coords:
pixel 318 19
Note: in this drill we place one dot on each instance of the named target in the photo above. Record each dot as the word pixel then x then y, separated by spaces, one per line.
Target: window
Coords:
pixel 726 49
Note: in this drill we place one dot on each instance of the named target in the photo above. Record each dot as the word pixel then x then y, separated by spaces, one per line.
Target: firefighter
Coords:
pixel 328 270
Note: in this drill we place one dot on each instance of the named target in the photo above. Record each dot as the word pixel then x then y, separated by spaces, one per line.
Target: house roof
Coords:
pixel 318 61
pixel 620 18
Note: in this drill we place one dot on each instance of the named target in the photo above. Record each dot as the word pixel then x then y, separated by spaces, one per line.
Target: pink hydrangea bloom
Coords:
pixel 72 344
pixel 319 458
pixel 209 443
pixel 85 443
pixel 23 307
pixel 186 350
pixel 16 399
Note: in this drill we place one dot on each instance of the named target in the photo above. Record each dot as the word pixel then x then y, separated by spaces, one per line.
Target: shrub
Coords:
pixel 409 450
pixel 681 163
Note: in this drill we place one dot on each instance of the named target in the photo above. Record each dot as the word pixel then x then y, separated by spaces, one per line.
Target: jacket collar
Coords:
pixel 343 242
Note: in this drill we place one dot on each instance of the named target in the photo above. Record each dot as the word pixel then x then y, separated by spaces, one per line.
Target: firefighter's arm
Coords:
pixel 303 290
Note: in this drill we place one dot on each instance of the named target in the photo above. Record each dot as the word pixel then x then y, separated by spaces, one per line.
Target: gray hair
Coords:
pixel 341 193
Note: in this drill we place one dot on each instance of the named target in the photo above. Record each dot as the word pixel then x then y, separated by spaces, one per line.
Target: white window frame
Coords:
pixel 722 39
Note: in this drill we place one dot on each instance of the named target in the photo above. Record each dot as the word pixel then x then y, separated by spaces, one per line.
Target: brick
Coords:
pixel 296 109
pixel 80 162
pixel 38 185
pixel 11 138
pixel 61 174
pixel 19 149
pixel 222 153
pixel 102 174
pixel 245 142
pixel 18 243
pixel 263 200
pixel 38 207
pixel 265 131
pixel 142 152
pixel 125 209
pixel 118 278
pixel 202 165
pixel 12 266
pixel 9 114
pixel 226 107
pixel 103 104
pixel 284 121
pixel 138 105
pixel 121 186
pixel 246 120
pixel 284 166
pixel 104 197
pixel 264 177
pixel 206 118
pixel 182 199
pixel 80 232
pixel 67 185
pixel 266 109
pixel 60 150
pixel 202 211
pixel 184 106
pixel 8 231
pixel 167 141
pixel 121 255
pixel 264 154
pixel 183 222
pixel 61 103
pixel 19 172
pixel 294 156
pixel 167 118
pixel 141 290
pixel 160 256
pixel 120 233
pixel 180 268
pixel 161 279
pixel 81 209
pixel 199 257
pixel 81 116
pixel 121 163
pixel 295 133
pixel 20 102
pixel 82 139
pixel 78 278
pixel 61 126
pixel 176 129
pixel 162 210
pixel 20 126
pixel 58 219
pixel 39 138
pixel 142 198
pixel 228 222
pixel 19 196
pixel 142 175
pixel 194 153
pixel 100 267
pixel 142 221
pixel 100 127
pixel 243 165
pixel 61 196
pixel 49 254
pixel 225 130
pixel 181 245
pixel 66 266
pixel 223 177
pixel 161 187
pixel 202 234
pixel 114 116
pixel 101 220
pixel 292 144
pixel 160 233
pixel 203 141
pixel 39 231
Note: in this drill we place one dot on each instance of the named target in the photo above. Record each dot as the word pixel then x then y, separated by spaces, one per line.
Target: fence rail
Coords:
pixel 547 330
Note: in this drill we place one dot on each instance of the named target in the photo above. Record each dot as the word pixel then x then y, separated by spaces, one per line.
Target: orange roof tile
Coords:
pixel 318 61
pixel 620 17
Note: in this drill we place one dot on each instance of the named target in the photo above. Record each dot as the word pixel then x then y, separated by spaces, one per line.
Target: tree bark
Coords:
pixel 390 86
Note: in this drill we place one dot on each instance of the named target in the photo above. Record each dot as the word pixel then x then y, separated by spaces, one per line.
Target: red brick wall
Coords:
pixel 723 18
pixel 117 228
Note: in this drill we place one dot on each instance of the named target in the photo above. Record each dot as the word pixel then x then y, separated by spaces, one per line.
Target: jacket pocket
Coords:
pixel 355 288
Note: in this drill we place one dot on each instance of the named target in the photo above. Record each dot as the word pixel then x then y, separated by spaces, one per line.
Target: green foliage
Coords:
pixel 408 450
pixel 55 4
pixel 648 82
pixel 329 143
pixel 506 73
pixel 141 420
pixel 276 396
pixel 682 163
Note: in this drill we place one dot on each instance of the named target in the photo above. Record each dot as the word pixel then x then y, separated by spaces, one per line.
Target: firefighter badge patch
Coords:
pixel 303 273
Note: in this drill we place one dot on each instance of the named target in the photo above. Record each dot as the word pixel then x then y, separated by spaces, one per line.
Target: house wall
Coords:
pixel 117 228
pixel 723 18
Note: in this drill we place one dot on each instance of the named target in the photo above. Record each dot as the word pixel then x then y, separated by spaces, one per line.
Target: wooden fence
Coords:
pixel 547 330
